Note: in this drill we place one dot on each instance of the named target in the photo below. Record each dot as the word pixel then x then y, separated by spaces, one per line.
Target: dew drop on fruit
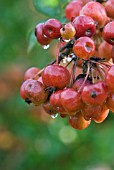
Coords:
pixel 66 40
pixel 54 116
pixel 45 47
pixel 88 32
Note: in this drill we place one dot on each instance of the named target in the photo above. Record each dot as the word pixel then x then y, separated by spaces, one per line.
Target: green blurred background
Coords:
pixel 29 138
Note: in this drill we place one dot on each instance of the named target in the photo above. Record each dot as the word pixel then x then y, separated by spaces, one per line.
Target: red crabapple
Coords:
pixel 95 94
pixel 71 100
pixel 78 121
pixel 49 108
pixel 73 9
pixel 77 84
pixel 90 111
pixel 67 31
pixel 103 115
pixel 84 48
pixel 84 25
pixel 56 76
pixel 56 102
pixel 110 78
pixel 108 33
pixel 31 72
pixel 22 89
pixel 96 11
pixel 110 102
pixel 104 50
pixel 109 7
pixel 36 92
pixel 41 37
pixel 112 54
pixel 51 28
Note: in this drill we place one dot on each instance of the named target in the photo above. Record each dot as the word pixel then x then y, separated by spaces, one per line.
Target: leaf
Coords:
pixel 49 7
pixel 31 42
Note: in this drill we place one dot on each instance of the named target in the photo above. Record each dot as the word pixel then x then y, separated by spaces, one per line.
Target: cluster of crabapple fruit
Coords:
pixel 86 43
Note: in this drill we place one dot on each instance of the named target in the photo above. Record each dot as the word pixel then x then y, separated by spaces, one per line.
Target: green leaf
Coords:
pixel 31 42
pixel 49 7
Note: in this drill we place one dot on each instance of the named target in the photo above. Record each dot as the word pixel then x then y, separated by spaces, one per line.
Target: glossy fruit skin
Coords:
pixel 91 112
pixel 31 72
pixel 22 89
pixel 71 100
pixel 108 33
pixel 112 54
pixel 78 122
pixel 109 7
pixel 104 50
pixel 77 84
pixel 56 102
pixel 84 48
pixel 35 91
pixel 40 36
pixel 52 28
pixel 103 115
pixel 84 26
pixel 56 76
pixel 110 102
pixel 110 78
pixel 67 31
pixel 96 11
pixel 49 108
pixel 73 9
pixel 95 94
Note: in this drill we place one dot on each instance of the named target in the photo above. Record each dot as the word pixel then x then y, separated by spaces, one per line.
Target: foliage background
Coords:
pixel 29 139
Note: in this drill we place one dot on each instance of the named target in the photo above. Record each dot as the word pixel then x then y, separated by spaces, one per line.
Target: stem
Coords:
pixel 92 75
pixel 88 69
pixel 73 70
pixel 100 64
pixel 101 72
pixel 40 72
pixel 107 64
pixel 62 55
pixel 68 45
pixel 68 64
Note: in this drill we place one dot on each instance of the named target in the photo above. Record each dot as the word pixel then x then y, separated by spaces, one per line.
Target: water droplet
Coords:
pixel 45 36
pixel 54 116
pixel 112 40
pixel 64 60
pixel 45 47
pixel 88 32
pixel 69 59
pixel 67 40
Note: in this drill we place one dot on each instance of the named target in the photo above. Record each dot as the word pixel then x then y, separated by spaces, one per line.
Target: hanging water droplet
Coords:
pixel 69 59
pixel 45 47
pixel 67 40
pixel 64 60
pixel 54 116
pixel 72 55
pixel 59 38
